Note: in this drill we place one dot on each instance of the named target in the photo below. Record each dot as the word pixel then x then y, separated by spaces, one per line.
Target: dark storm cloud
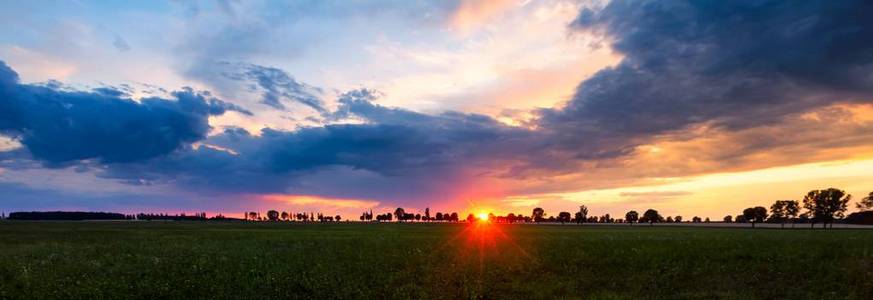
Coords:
pixel 59 126
pixel 393 143
pixel 735 64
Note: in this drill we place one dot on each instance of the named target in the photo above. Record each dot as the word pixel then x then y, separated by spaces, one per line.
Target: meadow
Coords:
pixel 124 259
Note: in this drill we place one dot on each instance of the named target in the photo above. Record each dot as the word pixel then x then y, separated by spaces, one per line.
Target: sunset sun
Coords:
pixel 483 217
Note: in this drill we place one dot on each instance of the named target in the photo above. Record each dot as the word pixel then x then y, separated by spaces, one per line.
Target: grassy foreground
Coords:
pixel 74 260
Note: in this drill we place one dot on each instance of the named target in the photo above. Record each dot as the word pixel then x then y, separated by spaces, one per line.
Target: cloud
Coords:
pixel 277 86
pixel 304 200
pixel 59 126
pixel 394 154
pixel 119 43
pixel 470 14
pixel 735 64
pixel 652 196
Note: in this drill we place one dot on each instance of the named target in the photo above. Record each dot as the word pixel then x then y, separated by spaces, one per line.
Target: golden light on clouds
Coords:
pixel 473 13
pixel 304 200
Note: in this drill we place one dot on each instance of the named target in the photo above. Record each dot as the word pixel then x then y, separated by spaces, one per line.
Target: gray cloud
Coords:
pixel 59 126
pixel 735 64
pixel 277 86
pixel 119 43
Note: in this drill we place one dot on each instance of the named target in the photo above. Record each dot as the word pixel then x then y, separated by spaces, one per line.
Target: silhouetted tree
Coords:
pixel 651 216
pixel 284 216
pixel 454 217
pixel 669 219
pixel 866 203
pixel 707 220
pixel 399 213
pixel 677 219
pixel 273 215
pixel 755 214
pixel 471 218
pixel 538 214
pixel 439 216
pixel 582 214
pixel 511 218
pixel 418 217
pixel 695 219
pixel 826 205
pixel 337 218
pixel 253 216
pixel 784 210
pixel 563 217
pixel 631 217
pixel 728 219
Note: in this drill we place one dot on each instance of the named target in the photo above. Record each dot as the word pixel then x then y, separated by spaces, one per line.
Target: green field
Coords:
pixel 281 260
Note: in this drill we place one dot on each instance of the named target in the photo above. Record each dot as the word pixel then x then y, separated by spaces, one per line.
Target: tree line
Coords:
pixel 82 216
pixel 825 207
pixel 275 216
pixel 401 215
pixel 821 206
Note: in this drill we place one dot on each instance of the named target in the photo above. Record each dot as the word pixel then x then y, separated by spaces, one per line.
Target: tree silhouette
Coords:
pixel 284 216
pixel 253 216
pixel 511 218
pixel 652 216
pixel 631 217
pixel 273 215
pixel 563 217
pixel 866 203
pixel 755 214
pixel 826 205
pixel 399 213
pixel 728 219
pixel 677 219
pixel 537 214
pixel 80 215
pixel 784 210
pixel 454 217
pixel 427 214
pixel 582 214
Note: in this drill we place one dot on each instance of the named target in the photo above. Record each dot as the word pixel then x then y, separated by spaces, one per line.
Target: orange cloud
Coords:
pixel 305 200
pixel 472 13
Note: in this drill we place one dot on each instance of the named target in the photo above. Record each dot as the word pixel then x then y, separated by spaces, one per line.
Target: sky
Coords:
pixel 694 108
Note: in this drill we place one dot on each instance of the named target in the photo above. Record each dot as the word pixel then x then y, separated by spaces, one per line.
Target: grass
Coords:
pixel 75 260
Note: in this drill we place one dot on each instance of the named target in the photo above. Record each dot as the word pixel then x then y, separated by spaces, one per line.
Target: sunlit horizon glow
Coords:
pixel 474 107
